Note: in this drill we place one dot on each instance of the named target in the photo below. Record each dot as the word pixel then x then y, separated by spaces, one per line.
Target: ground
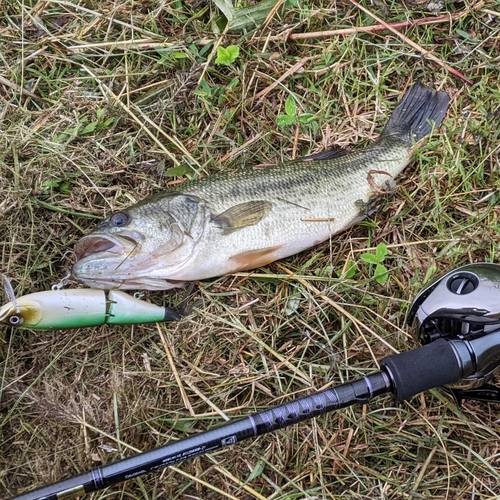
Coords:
pixel 103 103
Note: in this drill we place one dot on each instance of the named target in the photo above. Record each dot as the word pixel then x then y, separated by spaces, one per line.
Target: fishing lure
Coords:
pixel 80 308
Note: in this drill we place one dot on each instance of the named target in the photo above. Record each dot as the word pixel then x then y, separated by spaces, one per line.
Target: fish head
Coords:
pixel 142 246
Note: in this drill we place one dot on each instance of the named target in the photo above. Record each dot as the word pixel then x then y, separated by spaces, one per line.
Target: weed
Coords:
pixel 227 55
pixel 291 115
pixel 380 273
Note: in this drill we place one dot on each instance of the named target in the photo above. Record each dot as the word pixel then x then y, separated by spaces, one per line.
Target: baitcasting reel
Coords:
pixel 463 304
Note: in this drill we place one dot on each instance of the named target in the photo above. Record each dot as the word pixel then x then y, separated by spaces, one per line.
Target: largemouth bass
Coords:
pixel 232 222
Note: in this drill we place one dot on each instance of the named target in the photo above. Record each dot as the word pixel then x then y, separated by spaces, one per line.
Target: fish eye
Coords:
pixel 119 219
pixel 16 320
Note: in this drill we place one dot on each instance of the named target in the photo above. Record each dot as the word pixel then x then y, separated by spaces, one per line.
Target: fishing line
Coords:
pixel 129 254
pixel 64 281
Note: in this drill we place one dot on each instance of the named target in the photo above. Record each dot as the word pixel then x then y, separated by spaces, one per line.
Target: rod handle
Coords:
pixel 419 370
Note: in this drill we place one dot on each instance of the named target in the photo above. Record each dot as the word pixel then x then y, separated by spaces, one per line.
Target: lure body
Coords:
pixel 80 308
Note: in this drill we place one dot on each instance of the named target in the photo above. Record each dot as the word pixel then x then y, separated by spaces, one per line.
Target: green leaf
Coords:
pixel 89 128
pixel 223 57
pixel 465 35
pixel 181 424
pixel 234 52
pixel 305 117
pixel 178 55
pixel 204 85
pixel 381 274
pixel 251 16
pixel 177 171
pixel 163 53
pixel 107 123
pixel 325 271
pixel 257 471
pixel 226 7
pixel 292 304
pixel 369 257
pixel 204 51
pixel 290 106
pixel 285 120
pixel 431 270
pixel 233 84
pixel 65 188
pixel 381 252
pixel 350 271
pixel 194 49
pixel 227 55
pixel 58 185
pixel 52 183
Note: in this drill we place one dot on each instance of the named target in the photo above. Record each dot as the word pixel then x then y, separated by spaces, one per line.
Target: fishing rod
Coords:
pixel 458 320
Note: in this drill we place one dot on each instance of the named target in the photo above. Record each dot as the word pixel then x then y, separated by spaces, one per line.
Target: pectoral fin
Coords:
pixel 242 215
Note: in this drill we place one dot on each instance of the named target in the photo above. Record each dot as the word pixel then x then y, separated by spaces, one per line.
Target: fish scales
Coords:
pixel 237 221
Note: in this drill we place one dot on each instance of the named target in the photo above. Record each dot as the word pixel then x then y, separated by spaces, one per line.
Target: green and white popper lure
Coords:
pixel 80 308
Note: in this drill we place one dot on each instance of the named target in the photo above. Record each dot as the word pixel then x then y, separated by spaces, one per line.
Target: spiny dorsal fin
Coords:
pixel 329 154
pixel 242 215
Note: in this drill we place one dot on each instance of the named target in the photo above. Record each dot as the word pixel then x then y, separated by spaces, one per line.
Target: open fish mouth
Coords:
pixel 91 245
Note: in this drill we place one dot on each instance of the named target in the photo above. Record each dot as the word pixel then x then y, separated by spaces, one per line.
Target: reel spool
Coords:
pixel 463 304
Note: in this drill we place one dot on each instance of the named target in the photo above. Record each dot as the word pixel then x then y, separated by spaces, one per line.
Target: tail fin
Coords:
pixel 419 112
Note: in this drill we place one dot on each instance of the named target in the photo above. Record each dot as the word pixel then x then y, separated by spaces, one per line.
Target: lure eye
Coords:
pixel 16 320
pixel 119 219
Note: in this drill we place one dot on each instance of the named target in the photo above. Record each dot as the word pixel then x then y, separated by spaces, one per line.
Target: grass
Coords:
pixel 104 103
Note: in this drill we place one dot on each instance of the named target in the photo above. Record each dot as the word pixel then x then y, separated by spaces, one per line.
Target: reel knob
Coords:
pixel 463 283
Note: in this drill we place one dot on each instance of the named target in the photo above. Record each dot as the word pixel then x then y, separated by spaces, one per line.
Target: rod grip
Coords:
pixel 416 371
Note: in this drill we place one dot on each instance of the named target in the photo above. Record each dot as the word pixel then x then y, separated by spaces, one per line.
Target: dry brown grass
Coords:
pixel 143 74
